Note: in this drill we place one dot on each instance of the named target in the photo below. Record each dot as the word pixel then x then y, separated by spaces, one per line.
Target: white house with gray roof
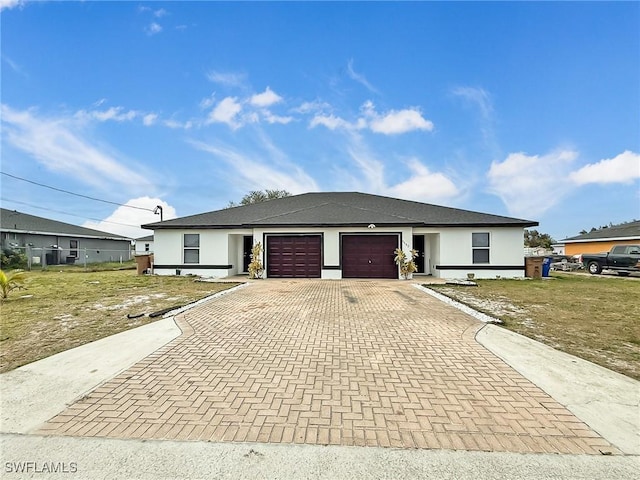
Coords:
pixel 340 235
pixel 53 242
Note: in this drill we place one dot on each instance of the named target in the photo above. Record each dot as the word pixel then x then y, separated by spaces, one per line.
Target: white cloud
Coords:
pixel 149 119
pixel 8 4
pixel 126 221
pixel 393 122
pixel 624 168
pixel 330 121
pixel 59 145
pixel 401 121
pixel 253 173
pixel 226 112
pixel 524 184
pixel 361 79
pixel 421 184
pixel 480 99
pixel 227 79
pixel 153 28
pixel 424 185
pixel 117 114
pixel 371 170
pixel 271 118
pixel 312 107
pixel 174 124
pixel 265 99
pixel 161 12
pixel 14 66
pixel 208 102
pixel 477 96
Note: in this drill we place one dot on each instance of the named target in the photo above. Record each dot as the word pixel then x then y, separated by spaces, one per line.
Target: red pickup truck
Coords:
pixel 624 259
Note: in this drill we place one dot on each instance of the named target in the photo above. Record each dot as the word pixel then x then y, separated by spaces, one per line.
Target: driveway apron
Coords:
pixel 371 363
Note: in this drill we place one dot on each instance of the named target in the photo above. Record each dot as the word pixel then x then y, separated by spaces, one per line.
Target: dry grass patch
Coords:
pixel 595 318
pixel 59 310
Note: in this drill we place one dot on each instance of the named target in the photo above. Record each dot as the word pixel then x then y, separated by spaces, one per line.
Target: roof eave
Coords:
pixel 523 224
pixel 602 239
pixel 58 234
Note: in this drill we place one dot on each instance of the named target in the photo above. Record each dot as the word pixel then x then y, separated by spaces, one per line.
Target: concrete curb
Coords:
pixel 483 317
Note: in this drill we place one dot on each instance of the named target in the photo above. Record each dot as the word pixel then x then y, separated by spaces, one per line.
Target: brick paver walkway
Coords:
pixel 329 362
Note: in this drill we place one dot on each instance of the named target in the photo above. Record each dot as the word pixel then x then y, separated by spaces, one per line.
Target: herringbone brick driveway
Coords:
pixel 329 362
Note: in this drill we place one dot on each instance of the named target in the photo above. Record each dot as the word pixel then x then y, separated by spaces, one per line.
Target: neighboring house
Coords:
pixel 144 245
pixel 51 242
pixel 340 235
pixel 601 240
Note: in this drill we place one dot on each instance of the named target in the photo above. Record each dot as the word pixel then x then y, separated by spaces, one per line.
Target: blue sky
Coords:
pixel 529 110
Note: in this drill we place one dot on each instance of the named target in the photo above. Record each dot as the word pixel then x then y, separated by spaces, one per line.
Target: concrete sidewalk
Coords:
pixel 95 459
pixel 32 394
pixel 605 400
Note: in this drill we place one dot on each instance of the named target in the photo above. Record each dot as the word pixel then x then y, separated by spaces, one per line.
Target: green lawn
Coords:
pixel 66 307
pixel 593 317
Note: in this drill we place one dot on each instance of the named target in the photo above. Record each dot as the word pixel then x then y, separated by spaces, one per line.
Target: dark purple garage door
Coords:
pixel 369 256
pixel 294 256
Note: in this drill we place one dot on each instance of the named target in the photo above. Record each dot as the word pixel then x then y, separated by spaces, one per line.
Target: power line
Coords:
pixel 76 194
pixel 66 213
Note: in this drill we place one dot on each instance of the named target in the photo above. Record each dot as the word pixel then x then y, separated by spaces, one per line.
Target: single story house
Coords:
pixel 144 245
pixel 340 235
pixel 601 240
pixel 51 242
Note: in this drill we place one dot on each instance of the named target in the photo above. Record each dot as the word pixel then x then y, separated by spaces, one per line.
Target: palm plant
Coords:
pixel 256 268
pixel 407 265
pixel 10 281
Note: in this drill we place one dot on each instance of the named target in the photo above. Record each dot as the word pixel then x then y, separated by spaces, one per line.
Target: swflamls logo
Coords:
pixel 40 467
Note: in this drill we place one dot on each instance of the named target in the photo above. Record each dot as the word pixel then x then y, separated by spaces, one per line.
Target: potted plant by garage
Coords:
pixel 256 269
pixel 405 262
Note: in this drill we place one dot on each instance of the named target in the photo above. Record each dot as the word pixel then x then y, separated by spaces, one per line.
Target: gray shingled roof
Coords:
pixel 12 220
pixel 148 238
pixel 339 209
pixel 626 230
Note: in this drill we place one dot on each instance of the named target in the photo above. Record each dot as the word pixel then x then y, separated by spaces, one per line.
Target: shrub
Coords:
pixel 12 259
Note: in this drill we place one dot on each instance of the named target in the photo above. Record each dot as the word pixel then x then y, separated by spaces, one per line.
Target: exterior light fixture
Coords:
pixel 158 210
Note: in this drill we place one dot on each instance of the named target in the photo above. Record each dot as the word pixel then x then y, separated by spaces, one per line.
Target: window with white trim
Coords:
pixel 191 248
pixel 480 247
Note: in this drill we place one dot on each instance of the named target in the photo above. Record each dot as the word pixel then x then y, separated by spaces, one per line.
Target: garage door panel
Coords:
pixel 369 256
pixel 296 256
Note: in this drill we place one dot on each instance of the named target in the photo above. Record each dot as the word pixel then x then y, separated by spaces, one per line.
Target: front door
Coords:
pixel 247 244
pixel 418 246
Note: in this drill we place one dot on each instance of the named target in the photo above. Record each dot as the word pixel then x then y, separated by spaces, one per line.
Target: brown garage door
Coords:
pixel 369 256
pixel 295 256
